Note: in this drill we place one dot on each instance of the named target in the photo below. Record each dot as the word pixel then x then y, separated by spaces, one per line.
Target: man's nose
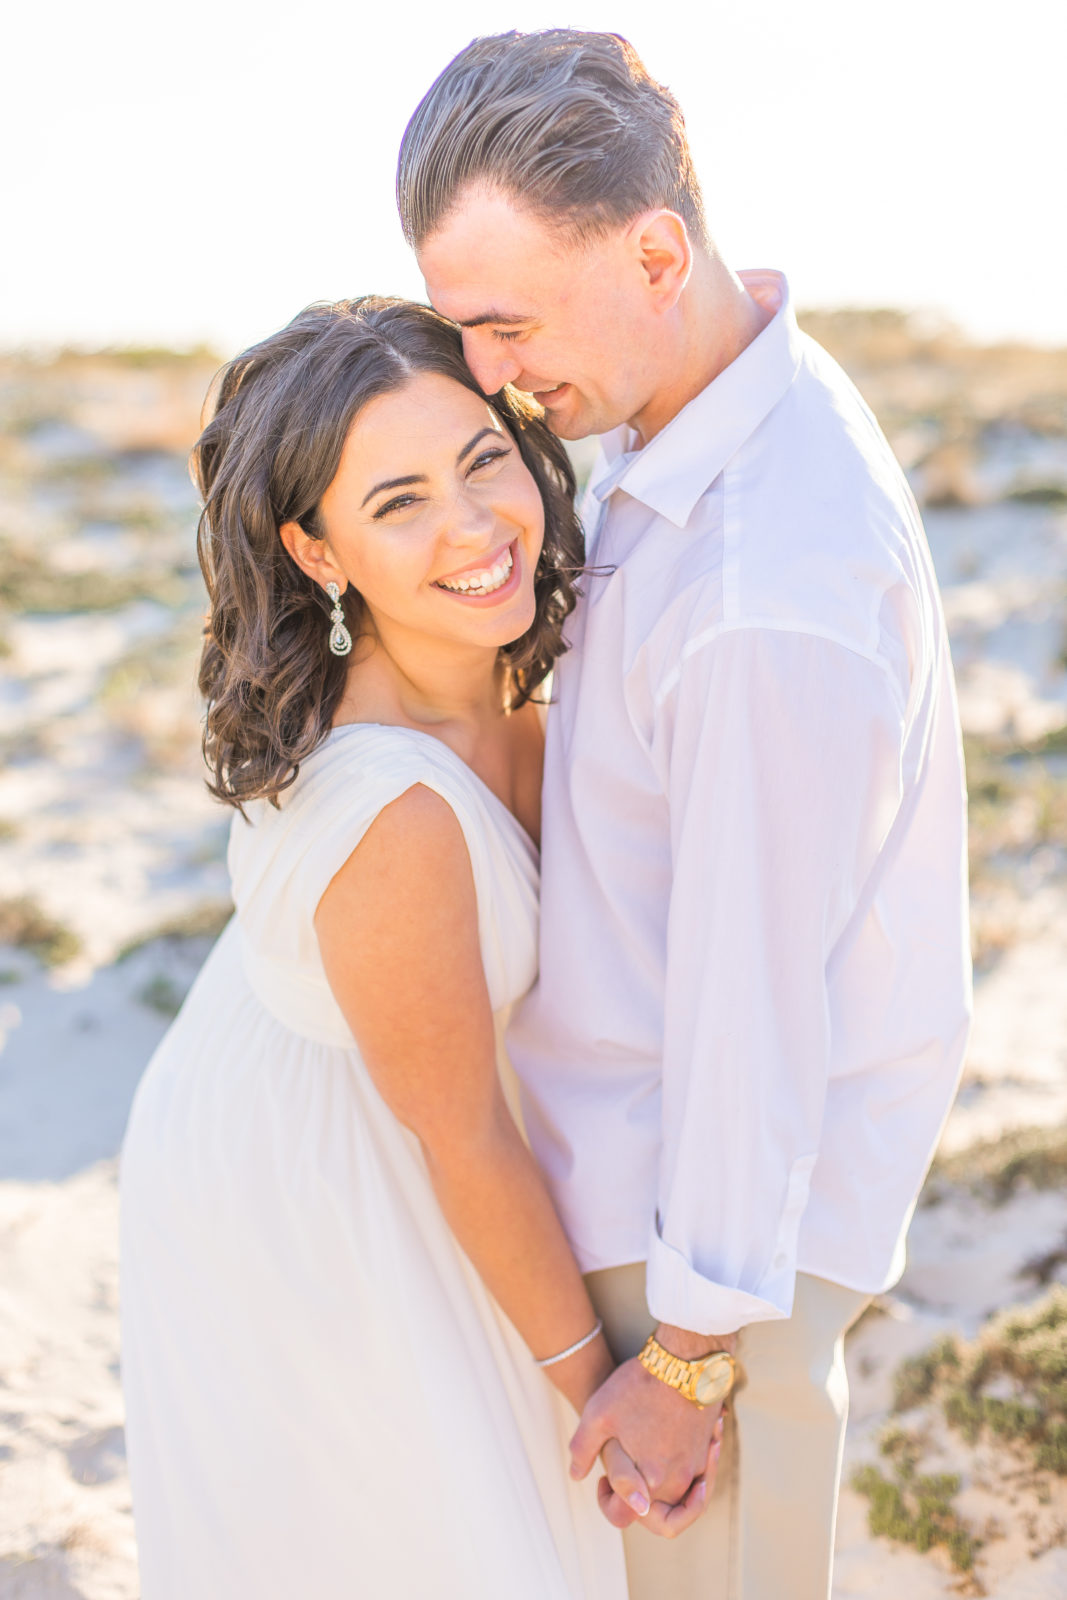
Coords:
pixel 492 365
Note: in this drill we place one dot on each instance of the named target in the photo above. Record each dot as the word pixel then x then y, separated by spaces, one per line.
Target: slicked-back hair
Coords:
pixel 282 412
pixel 567 124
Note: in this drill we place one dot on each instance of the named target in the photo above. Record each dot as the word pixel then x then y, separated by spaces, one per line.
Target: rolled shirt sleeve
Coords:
pixel 781 754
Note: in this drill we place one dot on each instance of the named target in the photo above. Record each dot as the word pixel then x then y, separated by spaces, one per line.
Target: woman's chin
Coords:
pixel 497 626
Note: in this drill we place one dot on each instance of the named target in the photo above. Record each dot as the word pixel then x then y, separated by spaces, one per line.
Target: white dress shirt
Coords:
pixel 754 987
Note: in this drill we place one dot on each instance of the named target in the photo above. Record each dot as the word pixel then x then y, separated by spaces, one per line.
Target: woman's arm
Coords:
pixel 398 931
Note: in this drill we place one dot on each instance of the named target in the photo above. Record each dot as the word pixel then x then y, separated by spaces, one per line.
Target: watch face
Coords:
pixel 713 1382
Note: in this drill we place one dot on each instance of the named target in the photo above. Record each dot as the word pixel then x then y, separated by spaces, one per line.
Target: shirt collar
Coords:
pixel 676 466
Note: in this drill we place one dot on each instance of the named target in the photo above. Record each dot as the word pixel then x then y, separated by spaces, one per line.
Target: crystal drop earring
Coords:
pixel 340 638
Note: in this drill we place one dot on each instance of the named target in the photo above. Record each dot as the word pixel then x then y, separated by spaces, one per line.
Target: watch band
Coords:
pixel 706 1381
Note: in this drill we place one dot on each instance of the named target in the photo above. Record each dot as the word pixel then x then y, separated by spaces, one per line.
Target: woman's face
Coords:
pixel 434 517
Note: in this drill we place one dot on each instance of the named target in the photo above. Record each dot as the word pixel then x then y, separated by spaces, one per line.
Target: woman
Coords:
pixel 341 1269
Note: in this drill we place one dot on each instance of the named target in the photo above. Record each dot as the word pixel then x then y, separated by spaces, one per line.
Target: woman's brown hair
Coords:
pixel 282 413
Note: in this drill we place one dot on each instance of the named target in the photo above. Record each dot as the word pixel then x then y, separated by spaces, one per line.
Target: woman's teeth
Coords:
pixel 481 582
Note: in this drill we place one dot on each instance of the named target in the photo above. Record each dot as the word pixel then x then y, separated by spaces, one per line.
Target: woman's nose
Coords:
pixel 492 365
pixel 471 520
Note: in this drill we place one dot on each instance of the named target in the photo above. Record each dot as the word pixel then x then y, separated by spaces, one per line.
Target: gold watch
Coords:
pixel 706 1381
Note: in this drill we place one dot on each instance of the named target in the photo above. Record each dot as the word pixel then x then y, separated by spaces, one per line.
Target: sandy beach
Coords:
pixel 113 885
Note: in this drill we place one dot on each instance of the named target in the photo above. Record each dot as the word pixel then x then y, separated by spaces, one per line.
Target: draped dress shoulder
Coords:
pixel 323 1400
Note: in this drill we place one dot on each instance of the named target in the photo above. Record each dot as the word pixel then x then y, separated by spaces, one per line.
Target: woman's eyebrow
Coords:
pixel 392 483
pixel 420 477
pixel 467 448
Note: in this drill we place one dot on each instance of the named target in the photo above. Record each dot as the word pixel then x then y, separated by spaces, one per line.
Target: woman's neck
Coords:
pixel 427 685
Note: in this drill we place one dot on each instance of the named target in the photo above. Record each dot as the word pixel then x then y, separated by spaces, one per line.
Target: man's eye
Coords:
pixel 508 337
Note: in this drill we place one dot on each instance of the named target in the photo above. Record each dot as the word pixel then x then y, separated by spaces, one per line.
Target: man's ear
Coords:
pixel 312 556
pixel 666 255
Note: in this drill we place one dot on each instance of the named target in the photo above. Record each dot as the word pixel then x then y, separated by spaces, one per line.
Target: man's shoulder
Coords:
pixel 819 536
pixel 823 434
pixel 823 522
pixel 807 529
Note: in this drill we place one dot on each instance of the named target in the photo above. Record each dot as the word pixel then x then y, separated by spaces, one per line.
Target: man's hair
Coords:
pixel 567 124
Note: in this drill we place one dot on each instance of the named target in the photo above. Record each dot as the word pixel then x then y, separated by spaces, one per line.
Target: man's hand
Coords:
pixel 650 1436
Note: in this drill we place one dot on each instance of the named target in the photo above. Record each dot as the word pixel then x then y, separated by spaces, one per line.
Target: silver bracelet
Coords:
pixel 573 1349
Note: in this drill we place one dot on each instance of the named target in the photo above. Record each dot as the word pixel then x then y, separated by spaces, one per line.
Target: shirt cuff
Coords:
pixel 678 1294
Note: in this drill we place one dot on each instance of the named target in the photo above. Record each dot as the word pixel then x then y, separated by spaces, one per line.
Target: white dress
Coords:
pixel 323 1401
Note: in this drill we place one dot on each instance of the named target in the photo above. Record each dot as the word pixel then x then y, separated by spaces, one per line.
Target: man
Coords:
pixel 754 991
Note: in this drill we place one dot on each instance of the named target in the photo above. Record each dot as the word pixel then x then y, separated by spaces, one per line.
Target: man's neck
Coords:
pixel 717 318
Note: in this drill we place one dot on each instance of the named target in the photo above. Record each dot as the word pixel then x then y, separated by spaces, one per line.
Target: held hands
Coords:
pixel 659 1450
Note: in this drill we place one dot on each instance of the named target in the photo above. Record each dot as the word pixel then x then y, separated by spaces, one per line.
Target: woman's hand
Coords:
pixel 673 1444
pixel 623 1496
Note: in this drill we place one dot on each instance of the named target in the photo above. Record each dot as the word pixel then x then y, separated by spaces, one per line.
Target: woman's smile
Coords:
pixel 489 581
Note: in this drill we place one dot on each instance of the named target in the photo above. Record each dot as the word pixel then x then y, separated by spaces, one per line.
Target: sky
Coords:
pixel 200 172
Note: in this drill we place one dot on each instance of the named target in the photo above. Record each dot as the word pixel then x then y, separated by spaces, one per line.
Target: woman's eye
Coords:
pixel 486 457
pixel 508 338
pixel 400 503
pixel 404 502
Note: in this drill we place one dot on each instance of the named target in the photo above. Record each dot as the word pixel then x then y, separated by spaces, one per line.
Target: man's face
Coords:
pixel 570 324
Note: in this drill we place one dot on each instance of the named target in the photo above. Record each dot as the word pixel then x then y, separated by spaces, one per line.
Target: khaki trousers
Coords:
pixel 768 1532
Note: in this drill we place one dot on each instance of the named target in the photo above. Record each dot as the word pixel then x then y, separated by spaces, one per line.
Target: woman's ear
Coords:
pixel 312 556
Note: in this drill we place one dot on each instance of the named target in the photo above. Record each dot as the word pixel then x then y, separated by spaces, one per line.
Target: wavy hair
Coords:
pixel 282 412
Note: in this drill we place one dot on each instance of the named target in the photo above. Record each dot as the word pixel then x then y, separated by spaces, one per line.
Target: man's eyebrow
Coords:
pixel 492 316
pixel 420 477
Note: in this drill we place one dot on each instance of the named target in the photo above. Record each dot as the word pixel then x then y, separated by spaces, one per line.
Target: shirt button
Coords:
pixel 781 1259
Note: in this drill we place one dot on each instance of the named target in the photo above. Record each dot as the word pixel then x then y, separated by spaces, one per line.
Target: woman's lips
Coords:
pixel 473 597
pixel 480 567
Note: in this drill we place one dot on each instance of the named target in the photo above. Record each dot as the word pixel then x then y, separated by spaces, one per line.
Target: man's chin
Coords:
pixel 574 420
pixel 568 427
pixel 568 422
